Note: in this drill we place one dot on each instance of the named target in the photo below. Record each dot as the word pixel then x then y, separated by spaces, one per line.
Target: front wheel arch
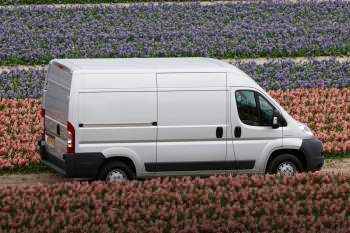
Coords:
pixel 297 153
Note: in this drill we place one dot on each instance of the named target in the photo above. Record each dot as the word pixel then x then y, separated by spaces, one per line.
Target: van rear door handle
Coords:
pixel 219 132
pixel 238 131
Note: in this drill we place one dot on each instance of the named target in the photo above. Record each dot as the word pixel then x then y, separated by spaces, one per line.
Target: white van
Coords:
pixel 113 119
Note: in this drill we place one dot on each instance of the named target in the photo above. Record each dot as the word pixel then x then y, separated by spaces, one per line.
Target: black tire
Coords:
pixel 284 158
pixel 116 165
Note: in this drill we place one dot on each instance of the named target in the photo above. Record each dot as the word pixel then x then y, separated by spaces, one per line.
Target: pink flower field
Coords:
pixel 326 111
pixel 20 129
pixel 314 202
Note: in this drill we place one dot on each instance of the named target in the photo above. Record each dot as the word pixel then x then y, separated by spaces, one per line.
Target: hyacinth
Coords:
pixel 325 111
pixel 27 2
pixel 287 74
pixel 284 74
pixel 22 83
pixel 247 29
pixel 20 127
pixel 314 202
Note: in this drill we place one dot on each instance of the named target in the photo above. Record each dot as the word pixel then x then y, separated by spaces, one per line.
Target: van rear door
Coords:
pixel 56 104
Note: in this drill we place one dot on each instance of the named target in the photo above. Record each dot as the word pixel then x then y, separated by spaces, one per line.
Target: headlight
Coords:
pixel 305 129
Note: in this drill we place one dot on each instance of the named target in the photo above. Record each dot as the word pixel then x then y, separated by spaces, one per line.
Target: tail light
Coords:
pixel 70 138
pixel 42 113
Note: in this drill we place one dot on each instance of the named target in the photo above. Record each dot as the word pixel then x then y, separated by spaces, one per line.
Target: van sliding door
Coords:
pixel 192 123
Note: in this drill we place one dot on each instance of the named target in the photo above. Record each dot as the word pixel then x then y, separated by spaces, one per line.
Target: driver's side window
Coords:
pixel 266 112
pixel 253 108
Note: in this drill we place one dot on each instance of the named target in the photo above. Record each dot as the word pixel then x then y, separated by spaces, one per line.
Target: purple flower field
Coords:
pixel 28 83
pixel 26 2
pixel 22 83
pixel 34 35
pixel 290 75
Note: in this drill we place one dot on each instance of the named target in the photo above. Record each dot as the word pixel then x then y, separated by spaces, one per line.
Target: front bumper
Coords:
pixel 313 152
pixel 75 165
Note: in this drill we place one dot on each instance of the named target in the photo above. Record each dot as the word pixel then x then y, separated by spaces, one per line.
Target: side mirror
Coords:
pixel 276 119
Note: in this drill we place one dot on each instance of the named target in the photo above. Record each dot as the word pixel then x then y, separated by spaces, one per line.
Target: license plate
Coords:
pixel 50 141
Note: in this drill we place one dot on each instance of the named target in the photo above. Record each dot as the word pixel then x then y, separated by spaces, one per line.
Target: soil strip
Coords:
pixel 331 165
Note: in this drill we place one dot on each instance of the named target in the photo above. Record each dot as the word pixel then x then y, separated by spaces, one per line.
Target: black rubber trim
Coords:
pixel 198 166
pixel 75 165
pixel 313 151
pixel 54 167
pixel 83 165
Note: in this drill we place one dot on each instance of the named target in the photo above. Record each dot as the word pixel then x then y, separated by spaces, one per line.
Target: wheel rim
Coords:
pixel 286 168
pixel 116 175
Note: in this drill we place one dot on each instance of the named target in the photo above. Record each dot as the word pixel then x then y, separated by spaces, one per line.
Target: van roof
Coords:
pixel 136 65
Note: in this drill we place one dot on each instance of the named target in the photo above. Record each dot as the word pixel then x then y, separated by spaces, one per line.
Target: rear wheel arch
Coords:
pixel 295 152
pixel 123 159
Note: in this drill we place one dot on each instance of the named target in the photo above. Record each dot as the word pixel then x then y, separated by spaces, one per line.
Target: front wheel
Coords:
pixel 285 164
pixel 116 171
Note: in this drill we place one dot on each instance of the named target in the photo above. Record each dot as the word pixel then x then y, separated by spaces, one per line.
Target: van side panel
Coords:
pixel 116 115
pixel 56 107
pixel 191 108
pixel 122 108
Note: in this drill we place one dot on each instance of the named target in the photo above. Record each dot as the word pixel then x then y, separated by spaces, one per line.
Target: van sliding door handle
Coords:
pixel 154 123
pixel 238 131
pixel 219 132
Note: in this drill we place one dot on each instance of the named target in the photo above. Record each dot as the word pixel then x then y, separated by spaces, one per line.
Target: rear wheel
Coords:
pixel 116 171
pixel 285 164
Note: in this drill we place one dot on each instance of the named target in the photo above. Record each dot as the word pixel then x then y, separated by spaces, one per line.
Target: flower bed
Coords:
pixel 326 111
pixel 315 202
pixel 285 74
pixel 246 29
pixel 27 2
pixel 22 83
pixel 20 128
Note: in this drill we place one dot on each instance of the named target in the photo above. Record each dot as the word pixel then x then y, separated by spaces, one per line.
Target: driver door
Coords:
pixel 253 135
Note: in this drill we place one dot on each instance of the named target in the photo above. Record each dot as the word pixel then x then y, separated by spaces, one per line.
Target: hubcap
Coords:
pixel 116 175
pixel 286 168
